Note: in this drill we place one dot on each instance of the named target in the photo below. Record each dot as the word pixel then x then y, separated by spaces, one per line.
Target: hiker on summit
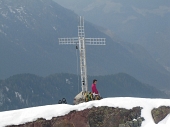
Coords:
pixel 93 87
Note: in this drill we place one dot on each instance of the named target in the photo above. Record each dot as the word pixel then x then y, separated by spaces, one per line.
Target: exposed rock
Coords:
pixel 112 117
pixel 85 97
pixel 38 123
pixel 94 117
pixel 79 98
pixel 134 123
pixel 160 113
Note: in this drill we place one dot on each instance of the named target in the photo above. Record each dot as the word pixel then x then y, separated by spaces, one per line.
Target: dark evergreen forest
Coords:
pixel 29 90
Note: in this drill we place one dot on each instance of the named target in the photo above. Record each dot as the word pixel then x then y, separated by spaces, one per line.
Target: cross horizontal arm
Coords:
pixel 68 41
pixel 95 41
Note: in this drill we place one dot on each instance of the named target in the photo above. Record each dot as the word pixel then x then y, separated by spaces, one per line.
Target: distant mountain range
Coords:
pixel 28 90
pixel 29 33
pixel 142 22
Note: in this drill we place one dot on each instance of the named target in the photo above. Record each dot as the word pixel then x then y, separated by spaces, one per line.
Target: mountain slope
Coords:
pixel 28 90
pixel 30 32
pixel 142 22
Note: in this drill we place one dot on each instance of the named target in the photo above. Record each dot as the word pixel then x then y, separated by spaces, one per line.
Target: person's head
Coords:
pixel 94 81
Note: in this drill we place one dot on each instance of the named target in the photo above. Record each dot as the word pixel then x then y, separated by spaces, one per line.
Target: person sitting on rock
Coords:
pixel 94 90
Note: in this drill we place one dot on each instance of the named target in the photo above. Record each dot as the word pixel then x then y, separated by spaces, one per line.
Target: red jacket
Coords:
pixel 94 89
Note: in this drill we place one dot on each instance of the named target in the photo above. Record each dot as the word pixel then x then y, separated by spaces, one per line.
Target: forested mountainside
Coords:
pixel 29 90
pixel 29 33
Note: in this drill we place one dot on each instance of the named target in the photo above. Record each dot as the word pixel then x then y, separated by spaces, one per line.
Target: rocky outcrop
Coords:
pixel 94 117
pixel 112 117
pixel 160 113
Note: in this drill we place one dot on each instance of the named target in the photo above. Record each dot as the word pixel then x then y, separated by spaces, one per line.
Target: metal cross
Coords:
pixel 82 41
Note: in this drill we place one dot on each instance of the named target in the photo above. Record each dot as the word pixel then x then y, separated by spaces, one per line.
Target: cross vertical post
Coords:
pixel 82 49
pixel 82 42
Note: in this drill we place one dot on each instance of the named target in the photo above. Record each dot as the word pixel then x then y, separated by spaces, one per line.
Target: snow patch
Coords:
pixel 67 81
pixel 167 68
pixel 7 89
pixel 20 10
pixel 54 28
pixel 18 95
pixel 4 14
pixel 10 9
pixel 3 32
pixel 22 116
pixel 9 99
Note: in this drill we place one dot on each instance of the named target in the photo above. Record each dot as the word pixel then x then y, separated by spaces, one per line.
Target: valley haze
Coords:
pixel 30 29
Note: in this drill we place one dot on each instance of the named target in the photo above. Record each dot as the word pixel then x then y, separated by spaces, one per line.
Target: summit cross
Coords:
pixel 81 41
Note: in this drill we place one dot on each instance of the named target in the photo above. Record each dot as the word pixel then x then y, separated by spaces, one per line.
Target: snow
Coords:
pixel 3 32
pixel 10 8
pixel 21 116
pixel 17 94
pixel 7 89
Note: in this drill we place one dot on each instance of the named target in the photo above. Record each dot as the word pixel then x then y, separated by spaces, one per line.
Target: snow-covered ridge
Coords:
pixel 30 114
pixel 21 13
